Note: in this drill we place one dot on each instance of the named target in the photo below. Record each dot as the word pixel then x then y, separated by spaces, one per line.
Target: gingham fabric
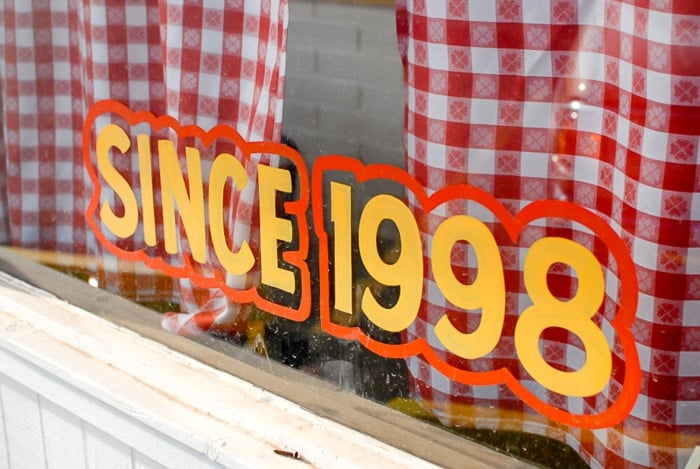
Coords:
pixel 203 63
pixel 493 100
pixel 597 103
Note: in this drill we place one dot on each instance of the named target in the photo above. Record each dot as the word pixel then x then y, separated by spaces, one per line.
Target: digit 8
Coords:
pixel 573 315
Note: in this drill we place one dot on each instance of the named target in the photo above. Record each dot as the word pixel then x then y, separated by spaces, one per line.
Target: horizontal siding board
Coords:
pixel 123 423
pixel 103 451
pixel 23 426
pixel 4 457
pixel 63 437
pixel 141 461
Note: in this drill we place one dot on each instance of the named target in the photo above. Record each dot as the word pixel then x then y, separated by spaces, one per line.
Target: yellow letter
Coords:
pixel 145 173
pixel 342 253
pixel 272 229
pixel 114 136
pixel 226 166
pixel 191 205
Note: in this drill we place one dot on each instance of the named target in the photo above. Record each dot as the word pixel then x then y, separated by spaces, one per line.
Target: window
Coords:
pixel 483 213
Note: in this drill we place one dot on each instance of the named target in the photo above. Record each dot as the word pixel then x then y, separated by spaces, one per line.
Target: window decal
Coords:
pixel 342 295
pixel 202 227
pixel 487 291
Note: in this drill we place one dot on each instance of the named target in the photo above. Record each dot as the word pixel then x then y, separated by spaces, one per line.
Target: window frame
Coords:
pixel 418 438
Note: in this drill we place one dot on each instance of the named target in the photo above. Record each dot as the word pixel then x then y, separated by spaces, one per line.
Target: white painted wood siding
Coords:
pixel 77 391
pixel 40 434
pixel 49 423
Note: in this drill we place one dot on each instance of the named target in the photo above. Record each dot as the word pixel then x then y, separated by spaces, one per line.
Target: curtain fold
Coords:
pixel 587 102
pixel 203 63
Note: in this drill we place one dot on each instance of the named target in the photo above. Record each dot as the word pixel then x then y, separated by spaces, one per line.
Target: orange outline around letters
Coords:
pixel 295 207
pixel 622 322
pixel 513 225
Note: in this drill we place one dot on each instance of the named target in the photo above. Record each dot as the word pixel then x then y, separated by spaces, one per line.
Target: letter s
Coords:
pixel 114 136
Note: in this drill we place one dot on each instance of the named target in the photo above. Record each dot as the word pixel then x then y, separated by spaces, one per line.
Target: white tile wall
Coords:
pixel 344 82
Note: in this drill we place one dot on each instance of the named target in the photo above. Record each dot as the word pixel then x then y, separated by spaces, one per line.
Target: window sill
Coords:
pixel 178 401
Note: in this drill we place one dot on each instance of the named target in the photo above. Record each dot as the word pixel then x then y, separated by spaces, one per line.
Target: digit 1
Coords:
pixel 341 205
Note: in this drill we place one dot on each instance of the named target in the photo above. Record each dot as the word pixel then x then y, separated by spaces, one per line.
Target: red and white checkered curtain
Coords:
pixel 597 103
pixel 204 63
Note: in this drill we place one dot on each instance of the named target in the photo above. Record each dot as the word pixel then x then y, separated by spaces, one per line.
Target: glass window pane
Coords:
pixel 482 214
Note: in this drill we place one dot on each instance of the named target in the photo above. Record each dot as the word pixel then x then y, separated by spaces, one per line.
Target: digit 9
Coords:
pixel 406 271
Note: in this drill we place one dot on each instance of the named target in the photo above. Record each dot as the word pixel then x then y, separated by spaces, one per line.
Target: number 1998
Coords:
pixel 487 291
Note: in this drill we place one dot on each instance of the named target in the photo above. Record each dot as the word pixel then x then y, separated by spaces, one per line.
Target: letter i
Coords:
pixel 147 205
